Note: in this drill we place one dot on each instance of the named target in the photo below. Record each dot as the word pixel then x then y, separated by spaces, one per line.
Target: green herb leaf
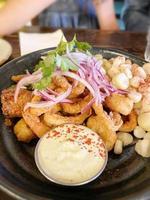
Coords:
pixel 57 58
pixel 43 83
pixel 65 64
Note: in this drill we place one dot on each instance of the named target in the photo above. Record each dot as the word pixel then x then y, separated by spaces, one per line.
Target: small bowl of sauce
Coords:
pixel 71 155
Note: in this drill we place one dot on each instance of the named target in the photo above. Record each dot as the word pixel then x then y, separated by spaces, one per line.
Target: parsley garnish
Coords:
pixel 57 58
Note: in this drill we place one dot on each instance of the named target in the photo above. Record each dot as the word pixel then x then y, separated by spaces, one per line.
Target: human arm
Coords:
pixel 106 14
pixel 16 14
pixel 136 15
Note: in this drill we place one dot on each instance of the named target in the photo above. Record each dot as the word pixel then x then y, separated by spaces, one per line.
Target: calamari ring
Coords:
pixel 57 119
pixel 131 122
pixel 35 124
pixel 75 108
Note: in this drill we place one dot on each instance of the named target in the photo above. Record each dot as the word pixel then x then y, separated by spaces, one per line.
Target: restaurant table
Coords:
pixel 131 42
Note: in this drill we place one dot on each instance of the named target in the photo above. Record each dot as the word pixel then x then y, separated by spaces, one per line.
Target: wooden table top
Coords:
pixel 132 42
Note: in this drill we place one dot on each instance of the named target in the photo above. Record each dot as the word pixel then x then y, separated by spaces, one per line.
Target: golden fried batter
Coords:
pixel 130 123
pixel 103 125
pixel 75 108
pixel 119 103
pixel 23 132
pixel 61 82
pixel 9 107
pixel 35 123
pixel 76 91
pixel 17 78
pixel 58 119
pixel 39 111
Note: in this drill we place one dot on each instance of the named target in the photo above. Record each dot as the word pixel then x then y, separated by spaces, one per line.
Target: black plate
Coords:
pixel 126 177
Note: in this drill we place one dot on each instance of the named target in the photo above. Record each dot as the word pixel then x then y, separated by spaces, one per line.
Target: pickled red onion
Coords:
pixel 47 104
pixel 28 79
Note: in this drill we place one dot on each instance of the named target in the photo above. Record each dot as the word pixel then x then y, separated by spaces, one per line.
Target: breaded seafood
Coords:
pixel 9 107
pixel 35 124
pixel 77 90
pixel 23 132
pixel 119 103
pixel 103 125
pixel 75 108
pixel 39 111
pixel 58 119
pixel 130 122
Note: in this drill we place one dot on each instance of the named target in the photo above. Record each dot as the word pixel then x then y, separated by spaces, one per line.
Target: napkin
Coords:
pixel 30 42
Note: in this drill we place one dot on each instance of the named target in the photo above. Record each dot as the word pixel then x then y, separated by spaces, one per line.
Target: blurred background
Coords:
pixel 118 11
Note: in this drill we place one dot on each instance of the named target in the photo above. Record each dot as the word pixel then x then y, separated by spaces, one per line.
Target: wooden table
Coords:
pixel 132 42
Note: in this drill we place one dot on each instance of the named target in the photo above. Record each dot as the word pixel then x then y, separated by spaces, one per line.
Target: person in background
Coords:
pixel 136 15
pixel 16 14
pixel 80 14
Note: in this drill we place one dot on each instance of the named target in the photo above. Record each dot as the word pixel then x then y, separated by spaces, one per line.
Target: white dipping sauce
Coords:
pixel 70 154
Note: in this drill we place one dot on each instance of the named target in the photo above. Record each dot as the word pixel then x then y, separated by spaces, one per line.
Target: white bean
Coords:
pixel 120 81
pixel 147 135
pixel 146 68
pixel 135 81
pixel 106 64
pixel 128 73
pixel 144 121
pixel 142 147
pixel 135 96
pixel 139 132
pixel 118 147
pixel 113 71
pixel 142 73
pixel 126 138
pixel 118 61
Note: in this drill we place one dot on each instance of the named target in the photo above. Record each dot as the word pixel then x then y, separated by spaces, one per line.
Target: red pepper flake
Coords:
pixel 68 130
pixel 71 140
pixel 48 136
pixel 101 154
pixel 81 129
pixel 55 133
pixel 84 137
pixel 102 145
pixel 75 136
pixel 77 130
pixel 88 141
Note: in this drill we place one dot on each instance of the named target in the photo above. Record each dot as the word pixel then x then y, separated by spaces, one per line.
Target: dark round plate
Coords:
pixel 126 176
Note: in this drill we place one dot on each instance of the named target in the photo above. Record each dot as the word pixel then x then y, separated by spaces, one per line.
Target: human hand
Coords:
pixel 99 2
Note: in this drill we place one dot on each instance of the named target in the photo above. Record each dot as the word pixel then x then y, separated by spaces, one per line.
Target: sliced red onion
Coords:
pixel 88 106
pixel 75 83
pixel 52 92
pixel 89 74
pixel 27 80
pixel 81 73
pixel 76 77
pixel 48 104
pixel 78 56
pixel 27 72
pixel 48 97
